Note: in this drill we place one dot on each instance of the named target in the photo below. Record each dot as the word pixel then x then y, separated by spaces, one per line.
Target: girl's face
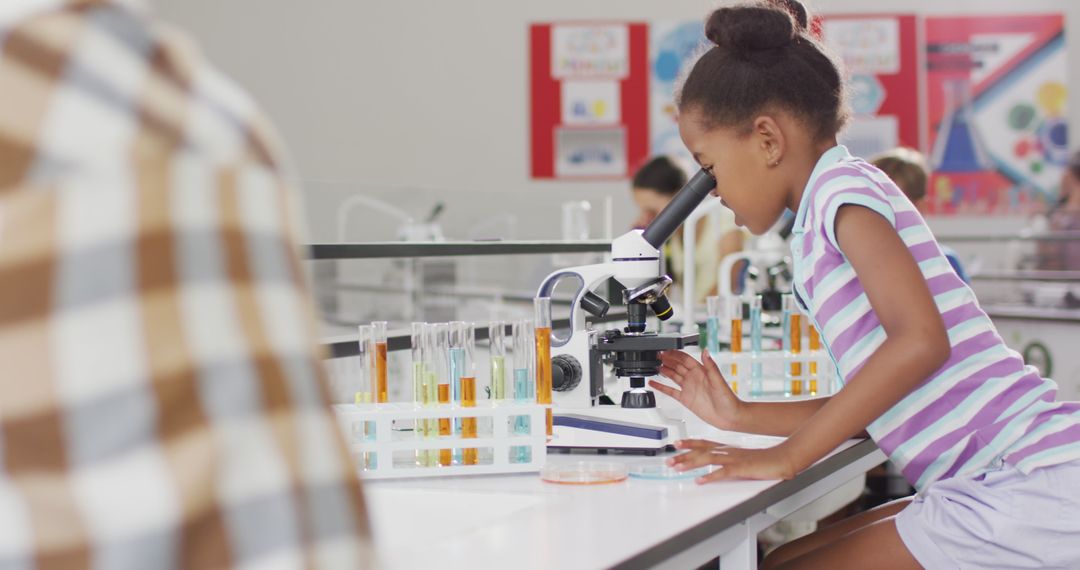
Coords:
pixel 743 165
pixel 649 203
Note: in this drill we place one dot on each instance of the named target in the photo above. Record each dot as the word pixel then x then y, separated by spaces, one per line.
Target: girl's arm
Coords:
pixel 703 390
pixel 917 344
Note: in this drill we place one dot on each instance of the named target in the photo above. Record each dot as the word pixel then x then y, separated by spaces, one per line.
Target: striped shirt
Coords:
pixel 162 402
pixel 983 407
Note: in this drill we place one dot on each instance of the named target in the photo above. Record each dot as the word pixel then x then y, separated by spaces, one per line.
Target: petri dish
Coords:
pixel 658 470
pixel 584 473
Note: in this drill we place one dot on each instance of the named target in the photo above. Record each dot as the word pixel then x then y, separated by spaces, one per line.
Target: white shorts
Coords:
pixel 1002 519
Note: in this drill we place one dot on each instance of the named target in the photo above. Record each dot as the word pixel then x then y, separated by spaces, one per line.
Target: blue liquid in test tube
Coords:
pixel 522 393
pixel 712 325
pixel 457 369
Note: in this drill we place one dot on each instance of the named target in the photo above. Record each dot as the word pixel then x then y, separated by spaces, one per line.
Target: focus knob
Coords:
pixel 565 373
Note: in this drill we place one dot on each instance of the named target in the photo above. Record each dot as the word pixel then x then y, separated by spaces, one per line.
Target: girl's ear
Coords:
pixel 770 140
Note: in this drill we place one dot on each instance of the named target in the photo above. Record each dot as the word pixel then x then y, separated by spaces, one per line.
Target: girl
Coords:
pixel 994 458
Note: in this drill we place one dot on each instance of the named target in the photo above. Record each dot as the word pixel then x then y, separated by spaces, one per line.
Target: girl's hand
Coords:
pixel 701 388
pixel 733 462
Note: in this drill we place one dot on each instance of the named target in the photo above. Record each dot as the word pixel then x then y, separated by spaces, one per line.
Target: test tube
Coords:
pixel 468 391
pixel 457 363
pixel 542 310
pixel 734 311
pixel 418 340
pixel 712 325
pixel 441 332
pixel 431 375
pixel 755 346
pixel 522 335
pixel 815 345
pixel 497 339
pixel 366 340
pixel 382 393
pixel 792 335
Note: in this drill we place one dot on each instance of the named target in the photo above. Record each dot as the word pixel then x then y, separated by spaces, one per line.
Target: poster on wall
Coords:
pixel 590 102
pixel 996 90
pixel 590 152
pixel 581 51
pixel 881 62
pixel 588 99
pixel 880 54
pixel 673 46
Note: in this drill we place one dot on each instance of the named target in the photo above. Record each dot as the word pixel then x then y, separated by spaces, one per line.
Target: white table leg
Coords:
pixel 743 556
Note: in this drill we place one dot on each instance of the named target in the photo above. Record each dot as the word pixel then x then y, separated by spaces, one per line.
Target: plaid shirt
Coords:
pixel 162 402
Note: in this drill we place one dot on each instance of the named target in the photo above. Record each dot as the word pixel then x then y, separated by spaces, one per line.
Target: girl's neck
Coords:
pixel 803 167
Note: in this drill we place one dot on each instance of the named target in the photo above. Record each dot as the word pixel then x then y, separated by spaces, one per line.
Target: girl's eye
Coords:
pixel 708 170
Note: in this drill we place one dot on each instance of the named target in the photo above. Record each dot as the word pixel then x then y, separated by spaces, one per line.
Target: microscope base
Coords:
pixel 604 429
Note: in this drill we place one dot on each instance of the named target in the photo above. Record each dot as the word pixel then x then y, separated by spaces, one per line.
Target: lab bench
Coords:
pixel 520 521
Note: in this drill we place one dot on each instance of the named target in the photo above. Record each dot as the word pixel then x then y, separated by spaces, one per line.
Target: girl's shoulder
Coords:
pixel 851 181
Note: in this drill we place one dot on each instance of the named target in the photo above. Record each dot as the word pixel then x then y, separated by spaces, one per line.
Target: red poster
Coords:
pixel 589 99
pixel 881 59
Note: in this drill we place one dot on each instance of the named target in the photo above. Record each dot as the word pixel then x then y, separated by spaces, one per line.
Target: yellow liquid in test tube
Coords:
pixel 498 378
pixel 543 371
pixel 445 457
pixel 468 425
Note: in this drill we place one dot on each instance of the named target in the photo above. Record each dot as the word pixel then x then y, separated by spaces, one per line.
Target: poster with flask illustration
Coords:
pixel 996 92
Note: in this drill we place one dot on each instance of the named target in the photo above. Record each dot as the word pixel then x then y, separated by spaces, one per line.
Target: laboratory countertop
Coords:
pixel 520 521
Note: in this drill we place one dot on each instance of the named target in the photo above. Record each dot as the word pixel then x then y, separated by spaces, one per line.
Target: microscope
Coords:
pixel 635 425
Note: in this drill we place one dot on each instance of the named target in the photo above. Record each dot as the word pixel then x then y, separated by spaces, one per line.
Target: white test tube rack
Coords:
pixel 775 370
pixel 395 451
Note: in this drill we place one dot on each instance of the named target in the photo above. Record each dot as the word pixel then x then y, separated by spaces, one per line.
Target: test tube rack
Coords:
pixel 391 452
pixel 775 370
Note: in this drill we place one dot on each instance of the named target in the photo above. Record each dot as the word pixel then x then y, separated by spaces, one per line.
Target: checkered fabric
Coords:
pixel 162 401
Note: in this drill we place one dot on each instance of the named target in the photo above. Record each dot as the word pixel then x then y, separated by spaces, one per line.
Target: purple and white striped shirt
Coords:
pixel 983 407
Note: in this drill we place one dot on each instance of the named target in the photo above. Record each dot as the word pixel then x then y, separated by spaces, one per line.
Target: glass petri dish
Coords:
pixel 584 473
pixel 659 470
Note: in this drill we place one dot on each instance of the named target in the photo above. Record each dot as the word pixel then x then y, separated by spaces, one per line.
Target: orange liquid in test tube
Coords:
pixel 543 371
pixel 468 425
pixel 736 342
pixel 380 373
pixel 445 457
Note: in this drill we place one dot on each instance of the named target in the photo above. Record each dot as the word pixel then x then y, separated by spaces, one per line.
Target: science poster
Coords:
pixel 880 54
pixel 996 92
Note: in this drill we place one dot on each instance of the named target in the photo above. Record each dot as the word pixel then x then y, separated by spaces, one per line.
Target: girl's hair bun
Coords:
pixel 746 29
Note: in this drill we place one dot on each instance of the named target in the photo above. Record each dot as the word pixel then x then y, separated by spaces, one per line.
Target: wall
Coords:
pixel 430 97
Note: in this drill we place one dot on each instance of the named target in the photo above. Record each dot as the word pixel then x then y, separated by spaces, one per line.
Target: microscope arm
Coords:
pixel 590 277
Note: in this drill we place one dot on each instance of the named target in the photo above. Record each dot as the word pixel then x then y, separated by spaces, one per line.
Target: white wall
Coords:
pixel 433 94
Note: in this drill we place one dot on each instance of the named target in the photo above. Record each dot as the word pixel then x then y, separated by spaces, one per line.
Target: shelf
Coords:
pixel 1032 275
pixel 1032 313
pixel 374 250
pixel 340 346
pixel 1045 236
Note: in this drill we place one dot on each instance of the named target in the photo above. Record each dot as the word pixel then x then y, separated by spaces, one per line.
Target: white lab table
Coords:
pixel 520 521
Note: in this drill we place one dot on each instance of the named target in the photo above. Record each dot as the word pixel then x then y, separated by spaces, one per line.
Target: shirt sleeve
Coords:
pixel 865 195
